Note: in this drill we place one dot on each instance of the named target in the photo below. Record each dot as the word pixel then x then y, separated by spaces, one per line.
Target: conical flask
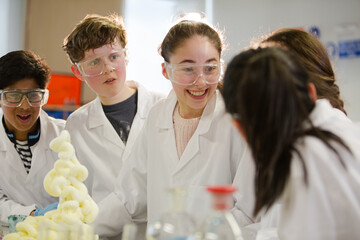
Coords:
pixel 221 224
pixel 175 224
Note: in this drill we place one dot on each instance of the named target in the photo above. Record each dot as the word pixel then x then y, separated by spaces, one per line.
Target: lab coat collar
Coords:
pixel 214 105
pixel 43 125
pixel 164 121
pixel 41 146
pixel 97 116
pixel 143 105
pixel 323 112
pixel 32 138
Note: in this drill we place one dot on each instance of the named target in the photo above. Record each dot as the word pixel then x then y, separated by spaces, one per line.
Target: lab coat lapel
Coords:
pixel 36 164
pixel 193 146
pixel 143 108
pixel 42 148
pixel 97 118
pixel 164 123
pixel 8 151
pixel 16 164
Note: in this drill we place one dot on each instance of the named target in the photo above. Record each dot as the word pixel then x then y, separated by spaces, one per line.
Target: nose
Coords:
pixel 200 80
pixel 108 68
pixel 24 104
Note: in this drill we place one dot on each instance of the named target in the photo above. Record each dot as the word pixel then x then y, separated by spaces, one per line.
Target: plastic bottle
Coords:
pixel 176 224
pixel 221 224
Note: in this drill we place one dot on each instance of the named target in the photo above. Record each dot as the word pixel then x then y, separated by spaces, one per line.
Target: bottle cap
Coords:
pixel 222 189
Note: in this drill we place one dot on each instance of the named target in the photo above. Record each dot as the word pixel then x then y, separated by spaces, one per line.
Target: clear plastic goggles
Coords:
pixel 15 97
pixel 95 67
pixel 188 73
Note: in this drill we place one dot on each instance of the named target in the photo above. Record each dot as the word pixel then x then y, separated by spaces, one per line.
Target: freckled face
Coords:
pixel 193 99
pixel 21 120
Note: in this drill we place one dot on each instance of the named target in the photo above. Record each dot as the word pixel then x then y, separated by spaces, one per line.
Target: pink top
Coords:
pixel 184 129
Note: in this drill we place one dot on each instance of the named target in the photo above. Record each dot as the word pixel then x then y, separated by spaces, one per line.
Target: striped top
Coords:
pixel 23 148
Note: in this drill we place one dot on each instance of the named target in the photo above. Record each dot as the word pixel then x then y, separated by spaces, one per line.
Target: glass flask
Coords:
pixel 176 224
pixel 221 224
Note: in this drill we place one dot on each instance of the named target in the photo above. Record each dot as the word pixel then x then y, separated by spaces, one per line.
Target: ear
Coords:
pixel 238 126
pixel 76 72
pixel 164 72
pixel 312 91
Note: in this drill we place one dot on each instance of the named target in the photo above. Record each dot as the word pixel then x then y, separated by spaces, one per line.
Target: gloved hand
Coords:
pixel 42 211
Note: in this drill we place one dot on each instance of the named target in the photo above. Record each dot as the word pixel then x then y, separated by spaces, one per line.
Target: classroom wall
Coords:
pixel 49 22
pixel 12 25
pixel 338 22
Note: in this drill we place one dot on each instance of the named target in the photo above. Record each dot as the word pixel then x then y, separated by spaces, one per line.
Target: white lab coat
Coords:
pixel 302 212
pixel 329 206
pixel 211 157
pixel 20 193
pixel 99 147
pixel 271 218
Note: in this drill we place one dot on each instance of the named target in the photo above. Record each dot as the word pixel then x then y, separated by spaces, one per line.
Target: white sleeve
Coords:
pixel 306 212
pixel 9 207
pixel 244 182
pixel 128 202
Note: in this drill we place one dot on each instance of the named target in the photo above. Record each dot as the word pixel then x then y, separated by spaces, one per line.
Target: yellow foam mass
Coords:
pixel 76 207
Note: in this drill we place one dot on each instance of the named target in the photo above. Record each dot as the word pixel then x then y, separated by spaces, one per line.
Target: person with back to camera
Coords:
pixel 188 139
pixel 306 154
pixel 315 58
pixel 25 134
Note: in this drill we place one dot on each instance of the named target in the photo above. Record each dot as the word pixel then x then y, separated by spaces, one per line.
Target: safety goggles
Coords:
pixel 187 74
pixel 95 66
pixel 15 97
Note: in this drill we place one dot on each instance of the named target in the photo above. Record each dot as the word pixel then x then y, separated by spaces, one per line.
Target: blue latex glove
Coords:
pixel 42 211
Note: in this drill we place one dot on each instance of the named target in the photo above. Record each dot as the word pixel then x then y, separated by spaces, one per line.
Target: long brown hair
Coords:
pixel 315 59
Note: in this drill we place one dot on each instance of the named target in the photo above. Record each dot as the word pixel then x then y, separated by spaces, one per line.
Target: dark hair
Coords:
pixel 267 88
pixel 315 59
pixel 92 32
pixel 18 65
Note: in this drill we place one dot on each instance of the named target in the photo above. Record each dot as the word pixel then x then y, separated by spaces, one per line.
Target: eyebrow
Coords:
pixel 191 61
pixel 97 56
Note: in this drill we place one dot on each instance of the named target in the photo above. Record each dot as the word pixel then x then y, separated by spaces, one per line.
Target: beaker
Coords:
pixel 175 224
